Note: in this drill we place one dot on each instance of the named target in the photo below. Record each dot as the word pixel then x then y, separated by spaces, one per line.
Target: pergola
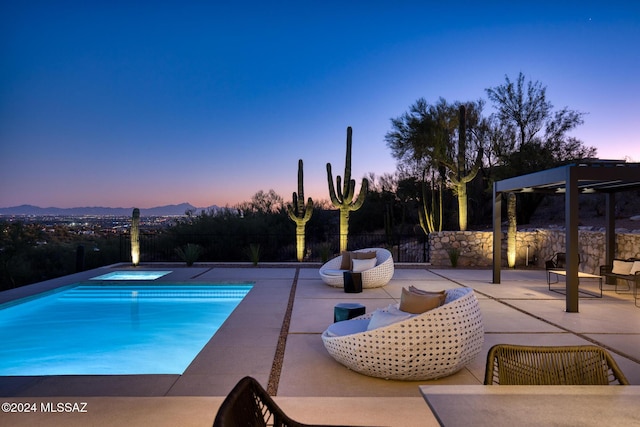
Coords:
pixel 586 177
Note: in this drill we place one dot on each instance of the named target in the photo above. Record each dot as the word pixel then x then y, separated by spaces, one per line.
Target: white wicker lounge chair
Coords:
pixel 430 345
pixel 374 277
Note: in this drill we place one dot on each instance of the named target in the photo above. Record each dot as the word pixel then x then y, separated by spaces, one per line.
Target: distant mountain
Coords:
pixel 169 210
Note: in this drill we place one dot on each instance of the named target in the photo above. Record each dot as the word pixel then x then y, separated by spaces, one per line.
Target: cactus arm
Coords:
pixel 361 196
pixel 293 208
pixel 332 191
pixel 349 192
pixel 476 166
pixel 309 210
pixel 292 214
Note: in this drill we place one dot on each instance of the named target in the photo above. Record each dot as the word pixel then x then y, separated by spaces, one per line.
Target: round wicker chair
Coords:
pixel 430 345
pixel 375 277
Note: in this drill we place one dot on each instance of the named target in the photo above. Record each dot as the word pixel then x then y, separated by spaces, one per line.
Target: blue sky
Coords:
pixel 144 104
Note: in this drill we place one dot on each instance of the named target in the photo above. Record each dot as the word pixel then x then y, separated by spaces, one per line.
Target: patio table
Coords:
pixel 514 405
pixel 581 275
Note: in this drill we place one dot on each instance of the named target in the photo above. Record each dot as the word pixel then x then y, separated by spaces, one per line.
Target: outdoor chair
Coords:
pixel 561 365
pixel 558 261
pixel 248 404
pixel 375 277
pixel 431 345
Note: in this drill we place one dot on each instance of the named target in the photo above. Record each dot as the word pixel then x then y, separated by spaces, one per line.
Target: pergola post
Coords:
pixel 571 240
pixel 610 232
pixel 497 234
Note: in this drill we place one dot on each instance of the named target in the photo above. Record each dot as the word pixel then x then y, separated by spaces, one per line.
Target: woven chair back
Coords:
pixel 561 365
pixel 248 404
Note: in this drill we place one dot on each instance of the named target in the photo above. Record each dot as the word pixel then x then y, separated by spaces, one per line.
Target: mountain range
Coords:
pixel 168 210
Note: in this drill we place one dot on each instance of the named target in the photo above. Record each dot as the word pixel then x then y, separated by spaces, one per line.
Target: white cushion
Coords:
pixel 359 265
pixel 347 327
pixel 621 267
pixel 386 317
pixel 333 272
pixel 635 268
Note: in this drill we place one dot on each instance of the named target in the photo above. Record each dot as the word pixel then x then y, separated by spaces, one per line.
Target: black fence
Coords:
pixel 272 247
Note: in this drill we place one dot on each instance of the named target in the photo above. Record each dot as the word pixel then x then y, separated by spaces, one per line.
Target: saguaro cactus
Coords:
pixel 343 199
pixel 511 231
pixel 457 170
pixel 135 237
pixel 300 214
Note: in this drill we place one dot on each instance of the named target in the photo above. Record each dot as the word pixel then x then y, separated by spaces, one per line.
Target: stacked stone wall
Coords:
pixel 533 247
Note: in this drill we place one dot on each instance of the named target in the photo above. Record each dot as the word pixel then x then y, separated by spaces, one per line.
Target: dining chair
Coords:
pixel 248 404
pixel 551 365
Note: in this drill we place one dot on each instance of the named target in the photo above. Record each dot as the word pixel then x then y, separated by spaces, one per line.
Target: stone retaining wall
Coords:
pixel 475 248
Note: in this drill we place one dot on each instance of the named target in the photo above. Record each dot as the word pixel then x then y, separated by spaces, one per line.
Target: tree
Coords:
pixel 262 203
pixel 527 119
pixel 440 140
pixel 528 136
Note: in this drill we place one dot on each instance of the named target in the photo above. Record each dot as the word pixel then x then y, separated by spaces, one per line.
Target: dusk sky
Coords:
pixel 142 104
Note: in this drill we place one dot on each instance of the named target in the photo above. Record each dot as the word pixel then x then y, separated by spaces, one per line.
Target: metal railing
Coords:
pixel 158 247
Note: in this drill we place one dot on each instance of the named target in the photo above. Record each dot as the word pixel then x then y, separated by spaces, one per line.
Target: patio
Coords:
pixel 310 386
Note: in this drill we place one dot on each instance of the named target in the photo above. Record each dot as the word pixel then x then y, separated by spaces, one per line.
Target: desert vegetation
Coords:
pixel 448 156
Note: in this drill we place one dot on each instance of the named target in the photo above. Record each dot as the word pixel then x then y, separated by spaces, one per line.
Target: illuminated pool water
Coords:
pixel 93 329
pixel 132 275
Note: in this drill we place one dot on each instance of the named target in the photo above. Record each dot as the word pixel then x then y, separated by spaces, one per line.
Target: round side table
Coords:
pixel 347 310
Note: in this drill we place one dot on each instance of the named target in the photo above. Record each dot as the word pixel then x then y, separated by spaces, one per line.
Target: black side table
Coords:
pixel 348 310
pixel 352 282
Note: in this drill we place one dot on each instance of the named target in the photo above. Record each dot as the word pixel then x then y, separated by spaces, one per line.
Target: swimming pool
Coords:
pixel 113 329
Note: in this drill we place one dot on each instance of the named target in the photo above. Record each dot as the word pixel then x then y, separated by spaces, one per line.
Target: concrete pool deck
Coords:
pixel 309 385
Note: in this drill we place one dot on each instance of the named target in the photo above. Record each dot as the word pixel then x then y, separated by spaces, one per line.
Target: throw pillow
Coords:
pixel 391 315
pixel 621 267
pixel 363 255
pixel 416 304
pixel 359 265
pixel 442 294
pixel 345 263
pixel 635 268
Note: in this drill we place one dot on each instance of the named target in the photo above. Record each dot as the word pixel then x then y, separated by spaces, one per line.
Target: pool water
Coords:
pixel 113 329
pixel 132 275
